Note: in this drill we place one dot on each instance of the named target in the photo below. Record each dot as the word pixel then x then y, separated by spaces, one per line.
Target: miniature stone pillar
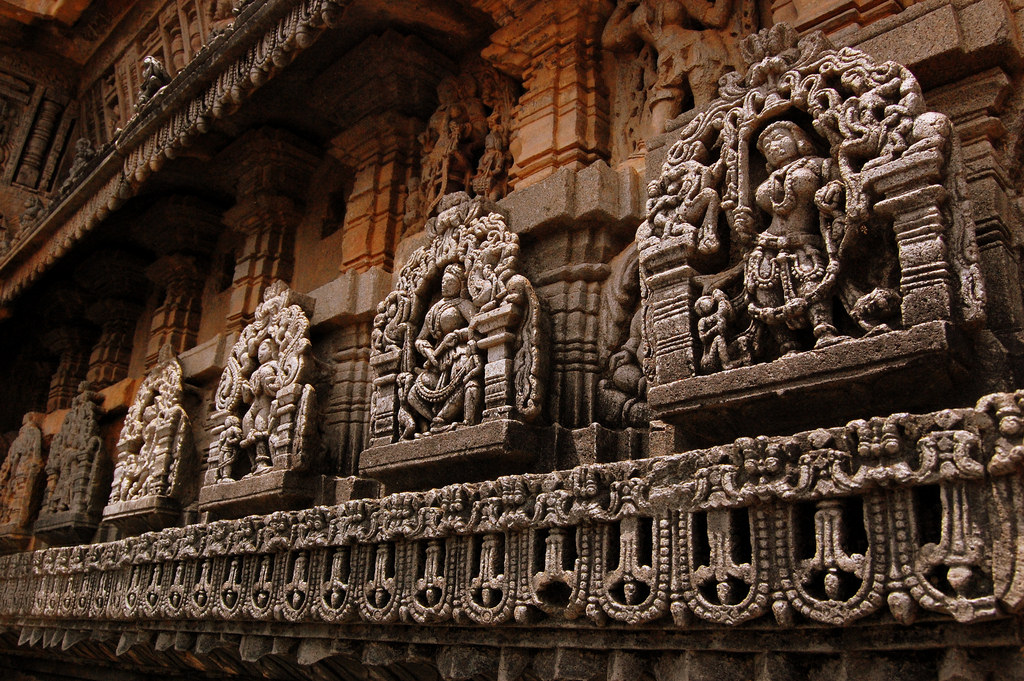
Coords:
pixel 116 318
pixel 176 320
pixel 498 327
pixel 271 169
pixel 70 343
pixel 380 152
pixel 669 314
pixel 562 117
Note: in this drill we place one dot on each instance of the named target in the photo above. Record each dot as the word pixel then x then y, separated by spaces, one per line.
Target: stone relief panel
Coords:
pixel 457 342
pixel 671 57
pixel 814 201
pixel 622 392
pixel 265 402
pixel 77 474
pixel 155 454
pixel 21 484
pixel 465 146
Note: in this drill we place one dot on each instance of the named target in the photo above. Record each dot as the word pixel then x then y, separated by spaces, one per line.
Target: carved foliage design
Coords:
pixel 458 339
pixel 74 469
pixel 20 477
pixel 156 440
pixel 827 526
pixel 265 402
pixel 817 178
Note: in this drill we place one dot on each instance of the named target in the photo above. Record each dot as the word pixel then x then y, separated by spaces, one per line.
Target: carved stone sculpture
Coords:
pixel 265 402
pixel 84 154
pixel 154 453
pixel 21 484
pixel 622 392
pixel 32 213
pixel 695 43
pixel 466 144
pixel 77 474
pixel 812 203
pixel 154 78
pixel 457 342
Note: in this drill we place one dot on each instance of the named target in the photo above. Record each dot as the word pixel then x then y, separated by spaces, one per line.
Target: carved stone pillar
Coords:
pixel 176 320
pixel 562 116
pixel 380 151
pixel 70 344
pixel 271 169
pixel 109 360
pixel 38 142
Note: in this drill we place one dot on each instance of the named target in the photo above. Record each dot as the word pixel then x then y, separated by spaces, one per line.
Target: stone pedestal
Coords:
pixel 273 490
pixel 66 527
pixel 142 515
pixel 467 454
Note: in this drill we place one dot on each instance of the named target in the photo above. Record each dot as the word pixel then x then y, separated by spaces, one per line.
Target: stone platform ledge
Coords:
pixel 466 454
pixel 66 527
pixel 143 515
pixel 14 538
pixel 905 370
pixel 273 490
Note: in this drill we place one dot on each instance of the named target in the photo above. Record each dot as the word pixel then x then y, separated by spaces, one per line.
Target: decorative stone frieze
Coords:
pixel 814 203
pixel 265 446
pixel 904 513
pixel 77 474
pixel 458 342
pixel 21 485
pixel 155 454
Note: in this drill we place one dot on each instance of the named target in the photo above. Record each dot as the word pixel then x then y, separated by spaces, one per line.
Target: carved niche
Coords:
pixel 77 474
pixel 457 343
pixel 155 454
pixel 465 146
pixel 814 202
pixel 21 484
pixel 265 432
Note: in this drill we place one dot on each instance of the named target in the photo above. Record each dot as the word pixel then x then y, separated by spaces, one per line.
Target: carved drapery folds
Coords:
pixel 456 342
pixel 903 513
pixel 265 403
pixel 155 455
pixel 77 474
pixel 21 484
pixel 815 201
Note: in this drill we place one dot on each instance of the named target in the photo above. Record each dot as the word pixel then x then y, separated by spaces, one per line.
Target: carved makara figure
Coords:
pixel 434 336
pixel 777 221
pixel 156 440
pixel 695 41
pixel 20 476
pixel 265 402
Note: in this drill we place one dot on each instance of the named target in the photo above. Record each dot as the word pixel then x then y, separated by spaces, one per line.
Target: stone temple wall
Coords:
pixel 350 339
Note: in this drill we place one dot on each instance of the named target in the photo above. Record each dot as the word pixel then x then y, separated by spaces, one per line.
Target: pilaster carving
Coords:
pixel 155 456
pixel 77 474
pixel 815 201
pixel 554 49
pixel 70 344
pixel 176 319
pixel 21 484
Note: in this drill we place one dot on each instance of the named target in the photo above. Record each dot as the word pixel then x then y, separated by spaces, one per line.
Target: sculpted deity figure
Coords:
pixel 693 43
pixel 264 400
pixel 789 274
pixel 451 381
pixel 20 475
pixel 156 438
pixel 154 78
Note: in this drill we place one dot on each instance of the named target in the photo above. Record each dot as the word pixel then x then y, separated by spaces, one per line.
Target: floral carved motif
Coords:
pixel 265 402
pixel 457 340
pixel 814 201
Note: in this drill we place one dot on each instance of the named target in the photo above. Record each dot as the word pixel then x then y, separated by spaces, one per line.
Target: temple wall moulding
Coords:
pixel 874 522
pixel 456 345
pixel 22 482
pixel 155 455
pixel 815 205
pixel 265 436
pixel 77 474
